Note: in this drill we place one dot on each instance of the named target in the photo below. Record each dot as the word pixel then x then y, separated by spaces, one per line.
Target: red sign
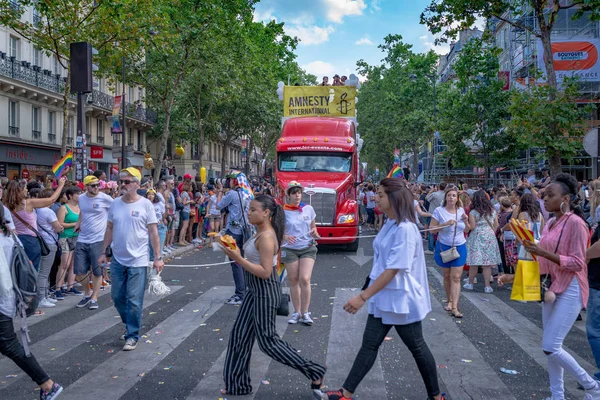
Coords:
pixel 97 152
pixel 25 174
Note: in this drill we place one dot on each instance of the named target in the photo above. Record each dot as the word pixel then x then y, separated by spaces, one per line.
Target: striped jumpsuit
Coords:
pixel 256 319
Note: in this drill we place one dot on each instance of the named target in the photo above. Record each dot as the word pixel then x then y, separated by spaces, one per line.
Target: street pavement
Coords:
pixel 182 352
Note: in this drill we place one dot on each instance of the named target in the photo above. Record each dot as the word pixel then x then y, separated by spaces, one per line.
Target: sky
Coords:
pixel 335 34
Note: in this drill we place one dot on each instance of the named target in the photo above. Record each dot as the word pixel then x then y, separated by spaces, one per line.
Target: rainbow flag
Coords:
pixel 60 166
pixel 396 172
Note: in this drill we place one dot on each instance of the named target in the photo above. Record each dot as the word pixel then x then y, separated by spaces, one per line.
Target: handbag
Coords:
pixel 451 254
pixel 58 254
pixel 527 281
pixel 284 301
pixel 247 231
pixel 45 250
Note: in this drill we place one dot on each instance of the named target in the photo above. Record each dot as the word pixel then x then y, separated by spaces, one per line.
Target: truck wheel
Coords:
pixel 352 247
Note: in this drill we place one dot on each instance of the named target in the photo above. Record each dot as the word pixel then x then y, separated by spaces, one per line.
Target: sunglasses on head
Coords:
pixel 125 181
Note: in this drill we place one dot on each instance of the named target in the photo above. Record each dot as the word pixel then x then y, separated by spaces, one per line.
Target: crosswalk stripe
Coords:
pixel 473 380
pixel 66 340
pixel 127 366
pixel 212 382
pixel 344 345
pixel 523 332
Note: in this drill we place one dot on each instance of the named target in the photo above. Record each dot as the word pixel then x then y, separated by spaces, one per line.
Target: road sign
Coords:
pixel 590 142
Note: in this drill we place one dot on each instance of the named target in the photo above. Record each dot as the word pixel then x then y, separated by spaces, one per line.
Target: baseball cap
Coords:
pixel 90 179
pixel 187 176
pixel 133 172
pixel 291 185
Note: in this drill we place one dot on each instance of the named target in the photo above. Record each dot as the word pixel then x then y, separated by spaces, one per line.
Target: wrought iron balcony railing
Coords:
pixel 100 139
pixel 43 78
pixel 52 137
pixel 37 135
pixel 13 131
pixel 69 141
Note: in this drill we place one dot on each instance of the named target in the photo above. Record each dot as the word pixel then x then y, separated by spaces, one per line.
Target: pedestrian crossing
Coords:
pixel 468 367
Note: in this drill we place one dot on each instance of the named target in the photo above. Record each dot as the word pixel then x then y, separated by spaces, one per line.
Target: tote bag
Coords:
pixel 526 286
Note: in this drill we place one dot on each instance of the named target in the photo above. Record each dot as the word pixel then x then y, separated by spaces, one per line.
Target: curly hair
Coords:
pixel 530 206
pixel 14 195
pixel 482 204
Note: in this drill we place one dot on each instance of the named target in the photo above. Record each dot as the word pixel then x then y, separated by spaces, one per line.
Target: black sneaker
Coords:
pixel 52 394
pixel 235 300
pixel 74 292
pixel 58 295
pixel 83 302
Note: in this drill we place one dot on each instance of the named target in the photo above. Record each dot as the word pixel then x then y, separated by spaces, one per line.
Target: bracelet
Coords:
pixel 362 298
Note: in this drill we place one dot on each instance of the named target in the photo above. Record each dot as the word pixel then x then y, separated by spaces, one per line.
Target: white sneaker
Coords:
pixel 429 252
pixel 51 300
pixel 466 280
pixel 46 304
pixel 294 318
pixel 488 289
pixel 306 319
pixel 594 393
pixel 468 286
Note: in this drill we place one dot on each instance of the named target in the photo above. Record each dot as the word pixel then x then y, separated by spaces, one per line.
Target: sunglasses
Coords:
pixel 125 182
pixel 93 186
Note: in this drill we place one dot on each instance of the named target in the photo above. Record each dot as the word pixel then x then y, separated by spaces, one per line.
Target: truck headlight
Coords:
pixel 346 219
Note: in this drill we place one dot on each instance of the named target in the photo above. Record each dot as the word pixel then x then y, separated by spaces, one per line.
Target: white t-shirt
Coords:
pixel 415 204
pixel 445 235
pixel 8 217
pixel 370 199
pixel 213 205
pixel 159 209
pixel 93 215
pixel 298 224
pixel 405 299
pixel 130 231
pixel 45 218
pixel 161 198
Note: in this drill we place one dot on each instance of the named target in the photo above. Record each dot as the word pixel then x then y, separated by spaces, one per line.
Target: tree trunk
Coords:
pixel 66 104
pixel 200 131
pixel 224 156
pixel 555 162
pixel 164 138
pixel 249 147
pixel 415 160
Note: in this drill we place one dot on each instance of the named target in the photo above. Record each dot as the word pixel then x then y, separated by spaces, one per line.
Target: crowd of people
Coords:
pixel 76 232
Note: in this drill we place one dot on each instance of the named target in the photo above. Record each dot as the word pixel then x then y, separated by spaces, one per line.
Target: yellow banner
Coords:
pixel 323 101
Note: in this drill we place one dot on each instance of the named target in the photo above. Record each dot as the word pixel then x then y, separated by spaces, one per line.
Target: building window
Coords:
pixel 70 130
pixel 130 98
pixel 194 151
pixel 100 131
pixel 130 137
pixel 51 125
pixel 139 140
pixel 140 94
pixel 36 56
pixel 13 118
pixel 36 123
pixel 15 47
pixel 56 65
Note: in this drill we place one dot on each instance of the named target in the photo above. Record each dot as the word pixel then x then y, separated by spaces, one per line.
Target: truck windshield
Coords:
pixel 317 162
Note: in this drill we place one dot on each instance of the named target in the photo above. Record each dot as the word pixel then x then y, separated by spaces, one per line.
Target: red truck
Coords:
pixel 322 153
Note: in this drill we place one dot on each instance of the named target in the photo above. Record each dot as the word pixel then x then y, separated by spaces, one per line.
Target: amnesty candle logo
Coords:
pixel 324 101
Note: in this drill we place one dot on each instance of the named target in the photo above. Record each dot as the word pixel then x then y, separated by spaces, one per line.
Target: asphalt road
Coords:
pixel 185 338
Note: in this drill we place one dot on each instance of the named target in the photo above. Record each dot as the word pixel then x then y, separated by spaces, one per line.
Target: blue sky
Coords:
pixel 335 34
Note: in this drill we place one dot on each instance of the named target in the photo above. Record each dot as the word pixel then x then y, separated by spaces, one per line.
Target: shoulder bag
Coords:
pixel 45 249
pixel 547 279
pixel 451 254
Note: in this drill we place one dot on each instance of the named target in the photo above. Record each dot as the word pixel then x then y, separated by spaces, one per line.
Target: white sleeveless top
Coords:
pixel 251 252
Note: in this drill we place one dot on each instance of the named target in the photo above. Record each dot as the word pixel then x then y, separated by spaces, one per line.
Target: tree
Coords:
pixel 452 16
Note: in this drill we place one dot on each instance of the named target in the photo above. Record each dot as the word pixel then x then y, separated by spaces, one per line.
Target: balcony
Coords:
pixel 139 147
pixel 44 79
pixel 52 137
pixel 37 135
pixel 13 131
pixel 88 138
pixel 69 141
pixel 116 141
pixel 100 139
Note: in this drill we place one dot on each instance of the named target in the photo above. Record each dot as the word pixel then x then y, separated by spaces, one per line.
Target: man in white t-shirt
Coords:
pixel 93 214
pixel 131 220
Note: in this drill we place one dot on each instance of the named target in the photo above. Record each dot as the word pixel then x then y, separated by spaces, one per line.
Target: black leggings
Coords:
pixel 11 348
pixel 370 216
pixel 411 335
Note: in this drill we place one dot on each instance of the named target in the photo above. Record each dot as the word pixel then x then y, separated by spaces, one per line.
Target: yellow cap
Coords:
pixel 89 179
pixel 133 172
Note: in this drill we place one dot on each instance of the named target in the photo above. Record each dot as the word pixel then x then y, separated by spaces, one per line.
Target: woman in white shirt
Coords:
pixel 451 223
pixel 299 251
pixel 397 292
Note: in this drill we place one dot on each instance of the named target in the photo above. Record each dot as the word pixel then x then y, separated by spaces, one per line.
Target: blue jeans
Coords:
pixel 162 234
pixel 593 326
pixel 128 285
pixel 238 272
pixel 430 241
pixel 32 247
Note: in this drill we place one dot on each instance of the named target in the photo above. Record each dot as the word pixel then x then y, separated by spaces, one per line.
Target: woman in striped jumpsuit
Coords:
pixel 256 318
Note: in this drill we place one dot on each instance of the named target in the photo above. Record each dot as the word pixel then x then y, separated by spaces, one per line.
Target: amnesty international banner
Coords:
pixel 323 101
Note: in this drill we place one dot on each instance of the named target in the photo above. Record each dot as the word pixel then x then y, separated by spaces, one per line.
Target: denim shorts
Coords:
pixel 185 216
pixel 86 257
pixel 67 244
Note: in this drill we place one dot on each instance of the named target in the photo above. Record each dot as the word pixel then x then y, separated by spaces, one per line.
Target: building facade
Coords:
pixel 32 113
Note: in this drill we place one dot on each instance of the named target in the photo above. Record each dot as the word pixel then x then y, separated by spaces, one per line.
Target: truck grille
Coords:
pixel 324 205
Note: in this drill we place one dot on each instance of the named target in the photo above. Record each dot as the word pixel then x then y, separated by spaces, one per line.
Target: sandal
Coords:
pixel 39 313
pixel 456 313
pixel 448 307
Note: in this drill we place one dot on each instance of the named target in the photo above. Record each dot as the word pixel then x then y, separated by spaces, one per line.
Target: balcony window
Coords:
pixel 36 57
pixel 52 138
pixel 56 66
pixel 139 141
pixel 13 118
pixel 70 141
pixel 100 131
pixel 37 19
pixel 14 49
pixel 130 137
pixel 116 141
pixel 36 135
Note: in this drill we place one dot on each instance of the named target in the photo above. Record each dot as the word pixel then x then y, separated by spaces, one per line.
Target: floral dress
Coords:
pixel 482 245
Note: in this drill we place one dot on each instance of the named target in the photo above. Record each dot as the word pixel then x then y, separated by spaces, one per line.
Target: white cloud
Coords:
pixel 320 69
pixel 263 16
pixel 375 7
pixel 336 10
pixel 364 42
pixel 310 35
pixel 429 42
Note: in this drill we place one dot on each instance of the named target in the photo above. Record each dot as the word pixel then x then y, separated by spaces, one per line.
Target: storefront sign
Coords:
pixel 573 57
pixel 28 155
pixel 3 170
pixel 25 174
pixel 96 152
pixel 324 101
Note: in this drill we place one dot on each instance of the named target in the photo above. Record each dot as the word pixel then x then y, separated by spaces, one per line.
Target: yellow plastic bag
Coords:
pixel 526 286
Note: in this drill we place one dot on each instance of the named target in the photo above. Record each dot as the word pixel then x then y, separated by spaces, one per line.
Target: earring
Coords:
pixel 561 208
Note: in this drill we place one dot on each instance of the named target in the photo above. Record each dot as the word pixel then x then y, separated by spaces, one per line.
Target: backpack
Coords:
pixel 178 204
pixel 24 278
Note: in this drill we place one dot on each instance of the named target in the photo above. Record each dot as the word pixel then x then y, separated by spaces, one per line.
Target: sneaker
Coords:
pixel 74 291
pixel 59 295
pixel 83 302
pixel 93 305
pixel 51 300
pixel 468 286
pixel 488 289
pixel 335 395
pixel 593 393
pixel 130 344
pixel 294 318
pixel 46 304
pixel 52 394
pixel 234 300
pixel 123 336
pixel 306 319
pixel 429 252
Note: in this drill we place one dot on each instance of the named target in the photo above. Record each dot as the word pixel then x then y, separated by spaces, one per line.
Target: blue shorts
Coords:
pixel 185 216
pixel 459 262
